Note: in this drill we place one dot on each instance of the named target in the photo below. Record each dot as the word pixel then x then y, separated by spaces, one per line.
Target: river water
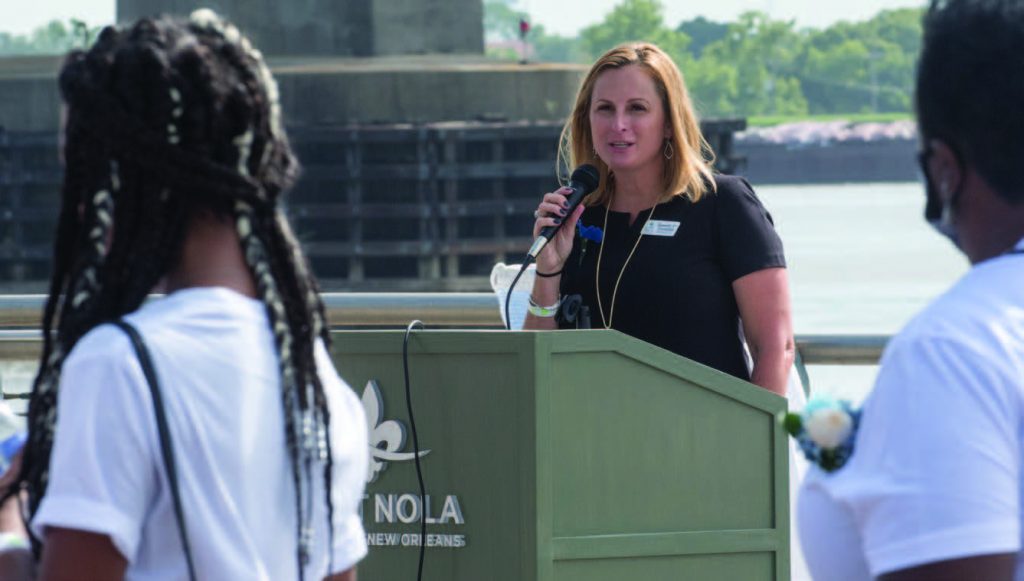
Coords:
pixel 861 260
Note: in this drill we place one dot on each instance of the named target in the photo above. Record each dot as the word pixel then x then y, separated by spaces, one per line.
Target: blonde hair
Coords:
pixel 688 171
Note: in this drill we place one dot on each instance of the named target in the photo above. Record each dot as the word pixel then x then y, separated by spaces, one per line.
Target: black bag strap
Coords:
pixel 166 448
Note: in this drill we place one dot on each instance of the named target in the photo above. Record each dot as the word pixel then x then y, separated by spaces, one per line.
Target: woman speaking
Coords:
pixel 663 249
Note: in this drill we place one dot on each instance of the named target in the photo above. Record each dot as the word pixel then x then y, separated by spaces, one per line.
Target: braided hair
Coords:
pixel 167 119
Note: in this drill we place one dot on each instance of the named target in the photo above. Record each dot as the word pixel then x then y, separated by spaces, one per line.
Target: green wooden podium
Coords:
pixel 570 455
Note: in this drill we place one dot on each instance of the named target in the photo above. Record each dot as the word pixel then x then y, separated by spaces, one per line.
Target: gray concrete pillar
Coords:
pixel 339 27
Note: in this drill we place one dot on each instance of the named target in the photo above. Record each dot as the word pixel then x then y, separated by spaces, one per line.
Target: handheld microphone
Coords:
pixel 583 181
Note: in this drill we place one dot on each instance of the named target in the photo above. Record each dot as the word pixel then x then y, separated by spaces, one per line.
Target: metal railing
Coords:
pixel 20 320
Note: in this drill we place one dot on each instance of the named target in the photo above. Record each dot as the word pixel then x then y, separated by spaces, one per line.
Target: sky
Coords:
pixel 565 17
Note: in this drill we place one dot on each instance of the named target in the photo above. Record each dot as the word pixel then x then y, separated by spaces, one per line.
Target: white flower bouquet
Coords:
pixel 825 431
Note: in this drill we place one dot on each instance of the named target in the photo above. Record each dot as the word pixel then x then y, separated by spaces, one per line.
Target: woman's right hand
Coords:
pixel 551 211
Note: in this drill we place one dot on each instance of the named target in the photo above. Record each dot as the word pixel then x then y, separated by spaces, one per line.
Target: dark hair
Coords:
pixel 970 86
pixel 166 120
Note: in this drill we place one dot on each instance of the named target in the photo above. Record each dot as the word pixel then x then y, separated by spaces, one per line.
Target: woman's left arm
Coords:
pixel 763 300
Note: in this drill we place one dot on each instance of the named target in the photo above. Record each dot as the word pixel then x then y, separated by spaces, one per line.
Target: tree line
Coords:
pixel 753 66
pixel 56 37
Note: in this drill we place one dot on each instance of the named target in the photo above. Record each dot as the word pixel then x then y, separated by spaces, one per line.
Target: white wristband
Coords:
pixel 544 312
pixel 12 541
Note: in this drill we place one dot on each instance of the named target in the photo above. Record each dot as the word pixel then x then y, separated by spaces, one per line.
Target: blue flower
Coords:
pixel 590 232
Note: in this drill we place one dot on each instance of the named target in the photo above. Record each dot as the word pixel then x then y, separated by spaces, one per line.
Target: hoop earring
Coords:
pixel 669 151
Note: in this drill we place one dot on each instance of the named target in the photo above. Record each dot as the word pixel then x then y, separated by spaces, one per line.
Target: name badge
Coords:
pixel 660 228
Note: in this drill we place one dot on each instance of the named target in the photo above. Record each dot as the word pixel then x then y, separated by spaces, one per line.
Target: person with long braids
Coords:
pixel 175 162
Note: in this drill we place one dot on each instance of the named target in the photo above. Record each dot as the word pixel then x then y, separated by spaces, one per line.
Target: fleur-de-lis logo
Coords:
pixel 387 438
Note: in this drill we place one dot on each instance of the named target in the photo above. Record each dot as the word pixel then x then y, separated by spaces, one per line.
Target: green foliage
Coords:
pixel 501 20
pixel 713 87
pixel 863 66
pixel 555 49
pixel 634 20
pixel 763 52
pixel 792 423
pixel 755 66
pixel 702 32
pixel 57 37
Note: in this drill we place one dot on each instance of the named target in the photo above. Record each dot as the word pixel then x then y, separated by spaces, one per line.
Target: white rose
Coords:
pixel 828 427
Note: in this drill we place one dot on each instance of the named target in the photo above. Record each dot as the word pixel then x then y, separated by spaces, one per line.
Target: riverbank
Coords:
pixel 775 120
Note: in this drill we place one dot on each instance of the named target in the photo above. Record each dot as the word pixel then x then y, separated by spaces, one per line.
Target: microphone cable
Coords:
pixel 415 445
pixel 508 297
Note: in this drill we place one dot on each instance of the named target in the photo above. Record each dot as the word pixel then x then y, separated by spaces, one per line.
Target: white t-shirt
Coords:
pixel 214 357
pixel 936 468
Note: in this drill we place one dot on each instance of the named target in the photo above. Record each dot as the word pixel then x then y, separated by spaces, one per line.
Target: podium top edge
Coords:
pixel 496 341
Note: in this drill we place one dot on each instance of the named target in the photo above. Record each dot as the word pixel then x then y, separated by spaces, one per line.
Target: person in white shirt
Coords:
pixel 934 487
pixel 175 160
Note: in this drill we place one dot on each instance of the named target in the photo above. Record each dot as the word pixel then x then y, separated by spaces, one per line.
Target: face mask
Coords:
pixel 937 212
